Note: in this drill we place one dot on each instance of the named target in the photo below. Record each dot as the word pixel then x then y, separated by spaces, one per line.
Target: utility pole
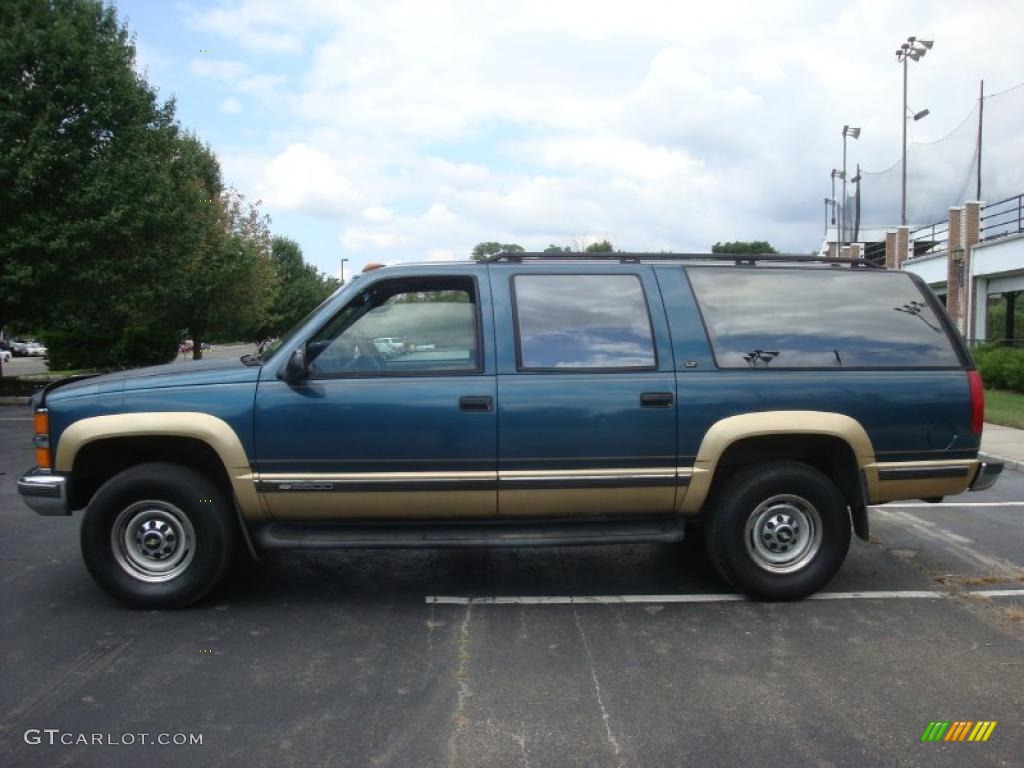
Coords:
pixel 343 271
pixel 903 158
pixel 981 114
pixel 853 133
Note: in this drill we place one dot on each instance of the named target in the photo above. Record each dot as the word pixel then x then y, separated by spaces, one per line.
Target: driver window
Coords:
pixel 401 326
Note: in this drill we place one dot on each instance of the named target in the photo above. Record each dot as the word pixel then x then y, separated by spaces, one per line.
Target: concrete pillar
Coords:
pixel 902 243
pixel 890 249
pixel 955 265
pixel 980 309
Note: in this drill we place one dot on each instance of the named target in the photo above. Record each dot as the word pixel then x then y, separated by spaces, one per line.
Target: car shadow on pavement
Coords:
pixel 373 575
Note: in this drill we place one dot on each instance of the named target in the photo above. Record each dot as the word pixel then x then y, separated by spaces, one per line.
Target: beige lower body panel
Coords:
pixel 521 494
pixel 882 489
pixel 331 505
pixel 585 502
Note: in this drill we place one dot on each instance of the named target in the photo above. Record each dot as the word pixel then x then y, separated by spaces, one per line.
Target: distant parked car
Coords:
pixel 389 346
pixel 19 348
pixel 35 349
pixel 5 355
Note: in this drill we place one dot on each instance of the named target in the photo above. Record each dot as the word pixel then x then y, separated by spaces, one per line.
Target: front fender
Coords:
pixel 215 432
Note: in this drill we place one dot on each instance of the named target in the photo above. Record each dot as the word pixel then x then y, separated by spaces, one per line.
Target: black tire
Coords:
pixel 766 513
pixel 177 514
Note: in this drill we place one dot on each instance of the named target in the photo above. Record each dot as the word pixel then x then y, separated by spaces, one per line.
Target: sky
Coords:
pixel 409 131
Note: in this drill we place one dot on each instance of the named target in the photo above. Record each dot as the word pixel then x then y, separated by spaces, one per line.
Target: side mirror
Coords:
pixel 295 369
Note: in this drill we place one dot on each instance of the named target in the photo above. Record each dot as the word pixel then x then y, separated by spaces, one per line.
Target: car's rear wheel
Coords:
pixel 158 535
pixel 778 530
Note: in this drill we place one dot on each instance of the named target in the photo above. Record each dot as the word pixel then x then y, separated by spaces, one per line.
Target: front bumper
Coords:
pixel 988 473
pixel 44 492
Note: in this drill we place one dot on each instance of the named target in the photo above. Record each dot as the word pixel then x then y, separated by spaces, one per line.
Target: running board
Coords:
pixel 498 533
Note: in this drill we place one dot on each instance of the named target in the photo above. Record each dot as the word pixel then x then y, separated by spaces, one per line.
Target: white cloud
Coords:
pixel 304 178
pixel 231 106
pixel 422 128
pixel 219 69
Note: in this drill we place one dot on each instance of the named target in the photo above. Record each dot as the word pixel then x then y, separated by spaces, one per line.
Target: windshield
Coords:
pixel 268 354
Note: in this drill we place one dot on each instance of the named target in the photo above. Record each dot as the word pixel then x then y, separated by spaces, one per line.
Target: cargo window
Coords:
pixel 582 322
pixel 819 318
pixel 402 326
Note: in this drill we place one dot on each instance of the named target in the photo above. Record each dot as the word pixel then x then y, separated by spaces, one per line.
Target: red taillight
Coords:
pixel 977 401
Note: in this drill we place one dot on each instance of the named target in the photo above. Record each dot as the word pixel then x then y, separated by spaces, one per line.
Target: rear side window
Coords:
pixel 582 322
pixel 779 318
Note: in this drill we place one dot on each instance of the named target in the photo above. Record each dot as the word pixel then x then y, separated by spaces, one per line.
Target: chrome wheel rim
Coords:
pixel 783 533
pixel 153 541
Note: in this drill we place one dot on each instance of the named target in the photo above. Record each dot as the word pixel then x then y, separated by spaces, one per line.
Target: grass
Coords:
pixel 1004 407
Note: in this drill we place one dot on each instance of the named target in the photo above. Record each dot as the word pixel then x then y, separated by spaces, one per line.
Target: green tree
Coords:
pixel 228 281
pixel 300 287
pixel 93 211
pixel 741 246
pixel 601 246
pixel 482 250
pixel 557 249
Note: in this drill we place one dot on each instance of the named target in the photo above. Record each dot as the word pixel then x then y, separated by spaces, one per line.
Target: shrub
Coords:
pixel 1001 367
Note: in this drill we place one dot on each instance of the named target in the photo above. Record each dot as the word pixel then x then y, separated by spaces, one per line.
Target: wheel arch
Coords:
pixel 766 429
pixel 161 436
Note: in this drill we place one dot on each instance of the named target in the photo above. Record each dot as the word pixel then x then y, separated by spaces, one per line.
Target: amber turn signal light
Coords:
pixel 41 421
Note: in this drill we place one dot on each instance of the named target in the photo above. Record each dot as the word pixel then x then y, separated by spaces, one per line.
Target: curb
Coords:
pixel 1015 465
pixel 8 400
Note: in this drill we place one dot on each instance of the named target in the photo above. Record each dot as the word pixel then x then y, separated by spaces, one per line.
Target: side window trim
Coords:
pixel 517 340
pixel 478 333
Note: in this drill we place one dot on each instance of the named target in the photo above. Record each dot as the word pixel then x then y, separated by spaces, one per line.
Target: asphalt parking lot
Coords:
pixel 432 658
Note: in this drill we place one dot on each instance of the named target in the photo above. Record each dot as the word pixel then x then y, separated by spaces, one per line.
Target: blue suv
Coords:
pixel 531 400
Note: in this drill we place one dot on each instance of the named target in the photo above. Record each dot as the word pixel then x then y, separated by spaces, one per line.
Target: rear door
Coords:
pixel 586 392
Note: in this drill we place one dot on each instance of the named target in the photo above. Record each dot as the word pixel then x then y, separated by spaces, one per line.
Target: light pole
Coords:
pixel 853 133
pixel 343 271
pixel 912 50
pixel 837 174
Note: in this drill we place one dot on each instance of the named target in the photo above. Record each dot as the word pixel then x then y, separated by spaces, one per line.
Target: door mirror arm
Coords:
pixel 295 370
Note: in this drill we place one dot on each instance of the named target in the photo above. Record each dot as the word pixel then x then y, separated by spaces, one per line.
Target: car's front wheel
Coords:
pixel 158 535
pixel 778 530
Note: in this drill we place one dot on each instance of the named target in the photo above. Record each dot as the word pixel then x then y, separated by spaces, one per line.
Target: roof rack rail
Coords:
pixel 627 258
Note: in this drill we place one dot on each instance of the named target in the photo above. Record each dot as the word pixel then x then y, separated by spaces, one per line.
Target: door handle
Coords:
pixel 656 400
pixel 476 403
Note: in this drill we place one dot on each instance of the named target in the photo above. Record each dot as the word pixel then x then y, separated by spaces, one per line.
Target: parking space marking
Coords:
pixel 950 504
pixel 956 545
pixel 899 594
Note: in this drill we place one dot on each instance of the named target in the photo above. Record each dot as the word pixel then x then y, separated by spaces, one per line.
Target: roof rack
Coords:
pixel 632 258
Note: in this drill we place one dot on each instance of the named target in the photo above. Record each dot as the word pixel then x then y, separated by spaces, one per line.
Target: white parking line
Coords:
pixel 904 594
pixel 893 504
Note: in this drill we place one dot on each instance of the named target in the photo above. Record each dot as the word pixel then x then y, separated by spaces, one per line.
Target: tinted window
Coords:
pixel 401 326
pixel 820 318
pixel 583 321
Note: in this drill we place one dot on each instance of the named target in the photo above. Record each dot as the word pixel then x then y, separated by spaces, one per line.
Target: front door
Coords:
pixel 397 416
pixel 586 393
